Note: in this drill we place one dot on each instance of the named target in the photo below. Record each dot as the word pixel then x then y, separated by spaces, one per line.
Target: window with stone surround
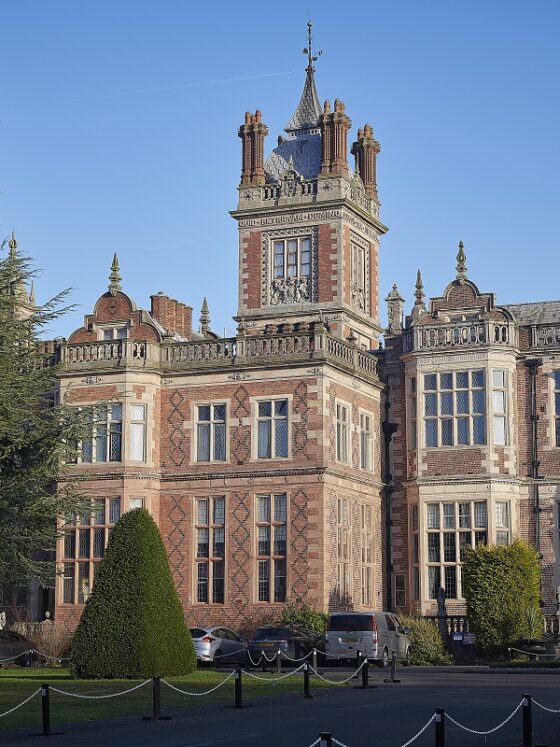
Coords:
pixel 84 541
pixel 210 521
pixel 400 590
pixel 342 432
pixel 366 441
pixel 272 428
pixel 556 376
pixel 415 551
pixel 499 407
pixel 291 257
pixel 412 400
pixel 271 526
pixel 454 408
pixel 105 443
pixel 502 522
pixel 137 433
pixel 451 527
pixel 211 433
pixel 343 537
pixel 366 541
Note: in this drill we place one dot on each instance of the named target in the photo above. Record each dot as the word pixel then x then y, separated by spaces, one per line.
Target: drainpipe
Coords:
pixel 388 431
pixel 533 364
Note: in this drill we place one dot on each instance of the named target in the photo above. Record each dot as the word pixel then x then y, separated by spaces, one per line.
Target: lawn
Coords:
pixel 16 684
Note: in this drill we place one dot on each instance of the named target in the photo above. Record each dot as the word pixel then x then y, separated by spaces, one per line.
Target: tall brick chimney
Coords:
pixel 252 134
pixel 334 137
pixel 175 317
pixel 365 149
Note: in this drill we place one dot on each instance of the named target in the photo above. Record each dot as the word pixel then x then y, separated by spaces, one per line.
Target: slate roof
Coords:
pixel 305 150
pixel 308 111
pixel 540 312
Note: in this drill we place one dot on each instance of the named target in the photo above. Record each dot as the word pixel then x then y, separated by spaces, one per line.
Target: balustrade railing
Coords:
pixel 307 345
pixel 458 335
pixel 546 336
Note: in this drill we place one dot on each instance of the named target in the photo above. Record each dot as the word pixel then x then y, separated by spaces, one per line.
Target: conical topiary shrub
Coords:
pixel 133 623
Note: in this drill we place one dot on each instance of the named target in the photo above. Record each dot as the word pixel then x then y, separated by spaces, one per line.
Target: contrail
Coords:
pixel 191 85
pixel 185 241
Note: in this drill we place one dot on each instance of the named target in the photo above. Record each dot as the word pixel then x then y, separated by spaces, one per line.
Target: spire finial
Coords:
pixel 115 276
pixel 419 292
pixel 12 244
pixel 308 50
pixel 461 263
pixel 204 318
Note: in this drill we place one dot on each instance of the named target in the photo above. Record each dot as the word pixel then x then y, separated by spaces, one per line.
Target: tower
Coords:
pixel 309 225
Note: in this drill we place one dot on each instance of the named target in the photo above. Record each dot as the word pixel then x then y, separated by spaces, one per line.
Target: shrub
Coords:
pixel 133 623
pixel 502 590
pixel 303 617
pixel 427 643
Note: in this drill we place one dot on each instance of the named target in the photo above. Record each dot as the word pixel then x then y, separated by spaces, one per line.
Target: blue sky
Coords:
pixel 118 132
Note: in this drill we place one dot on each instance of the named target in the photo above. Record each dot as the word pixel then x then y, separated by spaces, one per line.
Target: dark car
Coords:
pixel 294 644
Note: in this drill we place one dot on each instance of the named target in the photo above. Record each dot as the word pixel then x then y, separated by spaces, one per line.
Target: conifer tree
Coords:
pixel 133 623
pixel 35 430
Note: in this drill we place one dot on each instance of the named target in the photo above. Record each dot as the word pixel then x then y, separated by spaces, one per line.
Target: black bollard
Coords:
pixel 156 703
pixel 358 661
pixel 46 710
pixel 365 674
pixel 306 681
pixel 46 714
pixel 30 658
pixel 238 689
pixel 527 721
pixel 440 727
pixel 263 661
pixel 278 662
pixel 314 660
pixel 326 739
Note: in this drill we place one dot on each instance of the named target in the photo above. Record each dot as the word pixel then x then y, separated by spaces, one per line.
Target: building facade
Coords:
pixel 300 460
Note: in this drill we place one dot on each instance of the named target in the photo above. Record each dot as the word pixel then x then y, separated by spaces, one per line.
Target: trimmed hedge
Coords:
pixel 133 623
pixel 502 589
pixel 427 644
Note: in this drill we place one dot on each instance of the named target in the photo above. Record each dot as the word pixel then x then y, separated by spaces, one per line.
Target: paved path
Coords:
pixel 387 716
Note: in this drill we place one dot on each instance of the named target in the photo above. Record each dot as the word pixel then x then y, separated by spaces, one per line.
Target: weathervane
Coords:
pixel 308 50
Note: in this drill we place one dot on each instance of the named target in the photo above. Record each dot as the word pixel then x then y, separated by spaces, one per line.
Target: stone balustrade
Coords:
pixel 546 336
pixel 309 345
pixel 459 335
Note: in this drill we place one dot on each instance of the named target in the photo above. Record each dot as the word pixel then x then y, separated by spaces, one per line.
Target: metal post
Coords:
pixel 358 661
pixel 30 658
pixel 326 739
pixel 278 662
pixel 527 722
pixel 263 661
pixel 314 658
pixel 440 727
pixel 46 710
pixel 306 682
pixel 156 698
pixel 238 689
pixel 365 674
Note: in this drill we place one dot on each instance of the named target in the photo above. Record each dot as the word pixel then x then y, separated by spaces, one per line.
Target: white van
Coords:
pixel 375 634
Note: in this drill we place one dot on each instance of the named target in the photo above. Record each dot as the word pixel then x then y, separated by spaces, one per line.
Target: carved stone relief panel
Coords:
pixel 360 273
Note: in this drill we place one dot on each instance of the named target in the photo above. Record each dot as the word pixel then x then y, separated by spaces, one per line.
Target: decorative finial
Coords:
pixel 309 50
pixel 204 318
pixel 461 263
pixel 12 244
pixel 115 277
pixel 395 306
pixel 419 292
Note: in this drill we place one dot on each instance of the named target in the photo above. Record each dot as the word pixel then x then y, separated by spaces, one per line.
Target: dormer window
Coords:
pixel 114 333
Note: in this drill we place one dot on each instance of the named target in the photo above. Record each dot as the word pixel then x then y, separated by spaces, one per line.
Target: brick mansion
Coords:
pixel 303 459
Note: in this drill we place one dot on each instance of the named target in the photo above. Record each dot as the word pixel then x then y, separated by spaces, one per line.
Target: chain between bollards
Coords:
pixel 238 688
pixel 440 727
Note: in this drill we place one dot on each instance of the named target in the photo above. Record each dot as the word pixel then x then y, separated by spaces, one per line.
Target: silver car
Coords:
pixel 218 645
pixel 375 635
